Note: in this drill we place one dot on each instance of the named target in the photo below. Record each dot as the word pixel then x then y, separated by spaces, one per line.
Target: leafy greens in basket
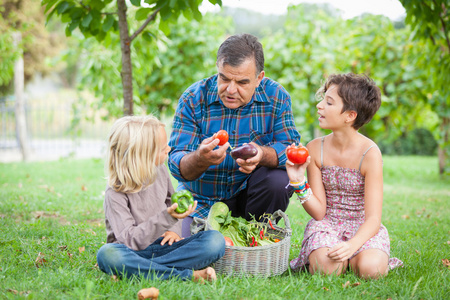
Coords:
pixel 243 233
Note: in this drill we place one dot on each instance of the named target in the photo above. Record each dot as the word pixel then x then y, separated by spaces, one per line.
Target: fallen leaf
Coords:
pixel 70 254
pixel 326 289
pixel 83 188
pixel 15 292
pixel 448 242
pixel 63 247
pixel 436 223
pixel 446 262
pixel 356 284
pixel 38 214
pixel 417 251
pixel 114 278
pixel 81 249
pixel 40 260
pixel 346 284
pixel 405 217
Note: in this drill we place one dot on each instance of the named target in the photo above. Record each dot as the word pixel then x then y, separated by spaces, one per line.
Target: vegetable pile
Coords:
pixel 241 232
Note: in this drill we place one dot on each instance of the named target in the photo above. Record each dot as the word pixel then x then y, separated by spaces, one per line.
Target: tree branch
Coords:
pixel 444 27
pixel 149 19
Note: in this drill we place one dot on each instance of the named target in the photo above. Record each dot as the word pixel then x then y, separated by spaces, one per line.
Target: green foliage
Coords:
pixel 300 56
pixel 8 56
pixel 184 57
pixel 314 44
pixel 56 209
pixel 419 141
pixel 430 22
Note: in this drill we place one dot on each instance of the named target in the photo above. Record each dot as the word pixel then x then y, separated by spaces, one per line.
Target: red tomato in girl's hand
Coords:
pixel 228 241
pixel 222 135
pixel 297 154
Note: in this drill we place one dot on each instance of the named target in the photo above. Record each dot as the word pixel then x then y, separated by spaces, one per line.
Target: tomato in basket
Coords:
pixel 228 241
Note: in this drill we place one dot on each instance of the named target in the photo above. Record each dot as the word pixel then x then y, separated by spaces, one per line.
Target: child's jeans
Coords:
pixel 163 262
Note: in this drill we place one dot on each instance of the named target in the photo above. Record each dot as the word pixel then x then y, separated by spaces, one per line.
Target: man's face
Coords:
pixel 236 85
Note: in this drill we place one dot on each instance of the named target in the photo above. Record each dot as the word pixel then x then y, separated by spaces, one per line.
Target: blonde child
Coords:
pixel 345 175
pixel 143 229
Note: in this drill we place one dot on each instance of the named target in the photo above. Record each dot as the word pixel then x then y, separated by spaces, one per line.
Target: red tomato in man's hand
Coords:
pixel 297 154
pixel 228 241
pixel 222 135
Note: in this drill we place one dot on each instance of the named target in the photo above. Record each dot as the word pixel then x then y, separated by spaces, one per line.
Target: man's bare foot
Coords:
pixel 208 274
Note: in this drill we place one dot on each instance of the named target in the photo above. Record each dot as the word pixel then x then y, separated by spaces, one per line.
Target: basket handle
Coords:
pixel 280 213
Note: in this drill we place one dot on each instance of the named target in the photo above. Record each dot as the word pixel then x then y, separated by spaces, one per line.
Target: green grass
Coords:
pixel 55 210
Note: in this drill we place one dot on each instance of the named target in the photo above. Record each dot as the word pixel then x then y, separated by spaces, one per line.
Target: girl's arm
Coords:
pixel 316 205
pixel 372 170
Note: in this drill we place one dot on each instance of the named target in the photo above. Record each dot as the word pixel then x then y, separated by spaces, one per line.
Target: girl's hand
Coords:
pixel 296 172
pixel 171 211
pixel 341 252
pixel 170 237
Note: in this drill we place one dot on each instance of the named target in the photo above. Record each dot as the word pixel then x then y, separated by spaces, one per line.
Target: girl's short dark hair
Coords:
pixel 358 92
pixel 237 48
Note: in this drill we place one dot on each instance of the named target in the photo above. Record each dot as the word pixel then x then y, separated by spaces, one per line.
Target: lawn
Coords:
pixel 51 215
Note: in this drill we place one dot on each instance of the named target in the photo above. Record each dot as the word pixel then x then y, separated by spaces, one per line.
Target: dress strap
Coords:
pixel 321 152
pixel 360 163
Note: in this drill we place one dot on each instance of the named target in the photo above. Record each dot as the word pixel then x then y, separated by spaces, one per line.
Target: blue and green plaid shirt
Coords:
pixel 266 120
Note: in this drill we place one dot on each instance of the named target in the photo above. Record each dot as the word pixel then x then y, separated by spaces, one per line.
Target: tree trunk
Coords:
pixel 21 121
pixel 443 147
pixel 126 73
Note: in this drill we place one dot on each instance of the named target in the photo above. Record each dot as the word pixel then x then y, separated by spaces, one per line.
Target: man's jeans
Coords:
pixel 163 261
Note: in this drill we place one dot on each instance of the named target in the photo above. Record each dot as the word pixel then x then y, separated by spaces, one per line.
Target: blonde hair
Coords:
pixel 132 153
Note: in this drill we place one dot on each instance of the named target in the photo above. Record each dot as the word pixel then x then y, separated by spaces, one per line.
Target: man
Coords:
pixel 252 109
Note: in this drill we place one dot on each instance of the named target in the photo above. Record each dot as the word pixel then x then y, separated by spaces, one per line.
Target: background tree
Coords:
pixel 104 18
pixel 163 65
pixel 430 22
pixel 38 42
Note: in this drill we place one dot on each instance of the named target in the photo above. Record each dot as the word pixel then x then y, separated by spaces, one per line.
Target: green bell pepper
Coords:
pixel 184 198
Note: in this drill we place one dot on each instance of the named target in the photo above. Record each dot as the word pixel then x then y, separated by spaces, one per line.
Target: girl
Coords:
pixel 143 229
pixel 345 175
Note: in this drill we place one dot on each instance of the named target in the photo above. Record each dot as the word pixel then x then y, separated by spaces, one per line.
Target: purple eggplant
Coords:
pixel 245 151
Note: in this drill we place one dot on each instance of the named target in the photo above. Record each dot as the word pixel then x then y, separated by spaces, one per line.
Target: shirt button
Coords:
pixel 233 132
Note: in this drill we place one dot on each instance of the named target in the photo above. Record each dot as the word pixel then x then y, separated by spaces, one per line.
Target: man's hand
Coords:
pixel 170 237
pixel 193 165
pixel 248 165
pixel 206 153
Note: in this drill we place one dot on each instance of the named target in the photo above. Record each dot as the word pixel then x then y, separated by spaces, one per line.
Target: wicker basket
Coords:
pixel 264 261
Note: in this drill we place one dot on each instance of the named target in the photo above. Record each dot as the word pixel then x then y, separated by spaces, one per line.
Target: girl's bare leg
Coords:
pixel 370 264
pixel 319 262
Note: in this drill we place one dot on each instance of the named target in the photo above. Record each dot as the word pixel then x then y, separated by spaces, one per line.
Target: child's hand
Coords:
pixel 171 211
pixel 296 172
pixel 341 252
pixel 170 237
